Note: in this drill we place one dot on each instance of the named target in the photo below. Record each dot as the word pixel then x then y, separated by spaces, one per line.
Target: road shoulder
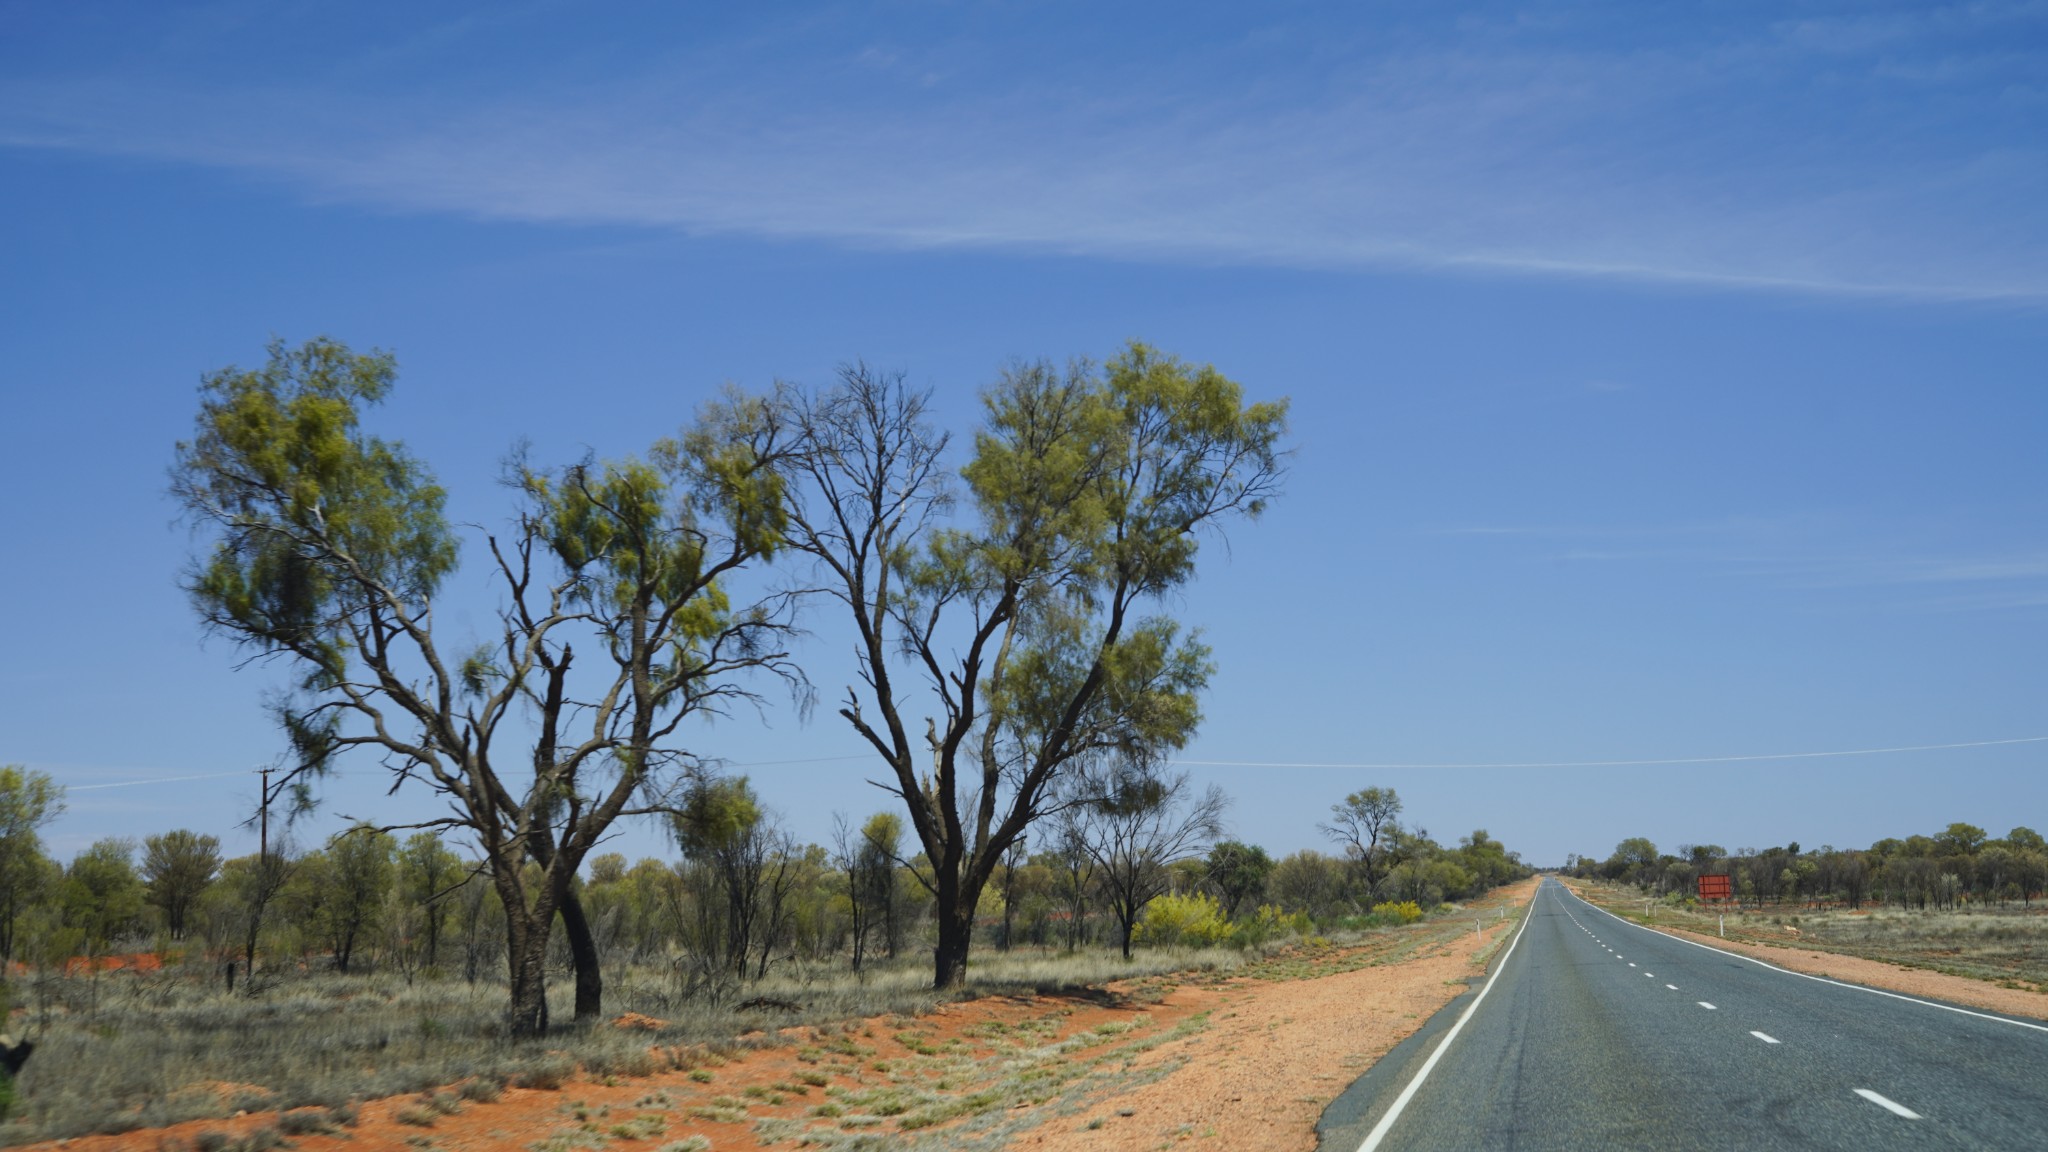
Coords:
pixel 1942 986
pixel 1275 1055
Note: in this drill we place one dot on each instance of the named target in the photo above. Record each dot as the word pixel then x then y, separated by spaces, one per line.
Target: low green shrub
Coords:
pixel 1195 920
pixel 1403 912
pixel 1267 925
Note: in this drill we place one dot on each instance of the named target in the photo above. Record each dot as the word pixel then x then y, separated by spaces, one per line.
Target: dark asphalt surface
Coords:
pixel 1596 1035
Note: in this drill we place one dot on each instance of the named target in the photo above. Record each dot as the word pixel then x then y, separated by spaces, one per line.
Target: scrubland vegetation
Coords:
pixel 1961 867
pixel 164 983
pixel 1016 676
pixel 1961 901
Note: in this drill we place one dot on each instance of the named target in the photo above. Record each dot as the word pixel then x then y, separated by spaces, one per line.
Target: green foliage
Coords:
pixel 717 813
pixel 328 544
pixel 351 877
pixel 28 800
pixel 1267 924
pixel 101 894
pixel 1088 489
pixel 1632 854
pixel 1194 920
pixel 1367 825
pixel 1238 872
pixel 427 875
pixel 177 867
pixel 1398 912
pixel 1962 839
pixel 884 833
pixel 308 506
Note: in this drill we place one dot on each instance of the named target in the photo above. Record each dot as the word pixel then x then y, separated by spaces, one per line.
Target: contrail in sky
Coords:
pixel 161 780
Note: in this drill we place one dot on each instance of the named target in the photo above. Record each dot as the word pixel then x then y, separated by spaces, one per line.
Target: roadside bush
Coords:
pixel 1404 912
pixel 1268 924
pixel 1184 921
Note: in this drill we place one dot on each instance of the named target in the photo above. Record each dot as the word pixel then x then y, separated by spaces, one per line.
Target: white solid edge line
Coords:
pixel 1808 976
pixel 1764 1038
pixel 1891 1106
pixel 1380 1130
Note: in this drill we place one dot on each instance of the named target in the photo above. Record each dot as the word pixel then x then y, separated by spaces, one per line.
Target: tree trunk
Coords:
pixel 526 946
pixel 583 954
pixel 956 932
pixel 528 1014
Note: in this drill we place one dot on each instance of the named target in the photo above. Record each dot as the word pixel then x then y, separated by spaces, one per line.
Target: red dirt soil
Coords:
pixel 1254 1074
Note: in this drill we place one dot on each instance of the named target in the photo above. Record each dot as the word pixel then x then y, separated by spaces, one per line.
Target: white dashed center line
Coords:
pixel 1892 1106
pixel 1764 1038
pixel 1704 1004
pixel 1673 987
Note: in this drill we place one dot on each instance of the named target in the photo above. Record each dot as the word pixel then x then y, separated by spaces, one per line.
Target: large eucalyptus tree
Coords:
pixel 1027 634
pixel 329 548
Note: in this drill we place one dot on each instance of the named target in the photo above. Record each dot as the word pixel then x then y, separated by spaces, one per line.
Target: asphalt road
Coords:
pixel 1594 1033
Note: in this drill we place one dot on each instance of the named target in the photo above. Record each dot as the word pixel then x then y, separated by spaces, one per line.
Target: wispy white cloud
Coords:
pixel 1706 163
pixel 1804 553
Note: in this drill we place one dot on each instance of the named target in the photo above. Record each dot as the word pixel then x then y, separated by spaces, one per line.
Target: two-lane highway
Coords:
pixel 1596 1033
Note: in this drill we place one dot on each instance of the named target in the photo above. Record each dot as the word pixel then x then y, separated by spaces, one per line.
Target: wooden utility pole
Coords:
pixel 265 811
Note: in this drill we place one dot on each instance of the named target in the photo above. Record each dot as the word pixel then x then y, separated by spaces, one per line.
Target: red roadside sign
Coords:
pixel 1717 887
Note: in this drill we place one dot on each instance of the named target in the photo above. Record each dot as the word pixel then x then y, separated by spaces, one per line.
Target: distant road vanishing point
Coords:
pixel 1594 1033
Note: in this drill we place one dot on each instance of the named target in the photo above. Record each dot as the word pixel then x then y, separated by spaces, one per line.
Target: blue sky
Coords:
pixel 1667 383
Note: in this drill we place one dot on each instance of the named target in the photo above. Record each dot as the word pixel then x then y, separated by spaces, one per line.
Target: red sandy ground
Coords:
pixel 1255 1074
pixel 1275 1055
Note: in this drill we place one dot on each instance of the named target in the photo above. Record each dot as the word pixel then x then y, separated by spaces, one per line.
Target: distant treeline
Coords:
pixel 740 897
pixel 1961 865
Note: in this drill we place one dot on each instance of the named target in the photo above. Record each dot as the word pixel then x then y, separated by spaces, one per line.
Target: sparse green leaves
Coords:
pixel 613 522
pixel 1147 701
pixel 28 800
pixel 716 813
pixel 1092 486
pixel 307 511
pixel 329 545
pixel 1086 478
pixel 1087 489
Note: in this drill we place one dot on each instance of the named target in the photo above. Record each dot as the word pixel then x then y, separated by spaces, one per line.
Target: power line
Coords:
pixel 1624 763
pixel 1648 763
pixel 225 775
